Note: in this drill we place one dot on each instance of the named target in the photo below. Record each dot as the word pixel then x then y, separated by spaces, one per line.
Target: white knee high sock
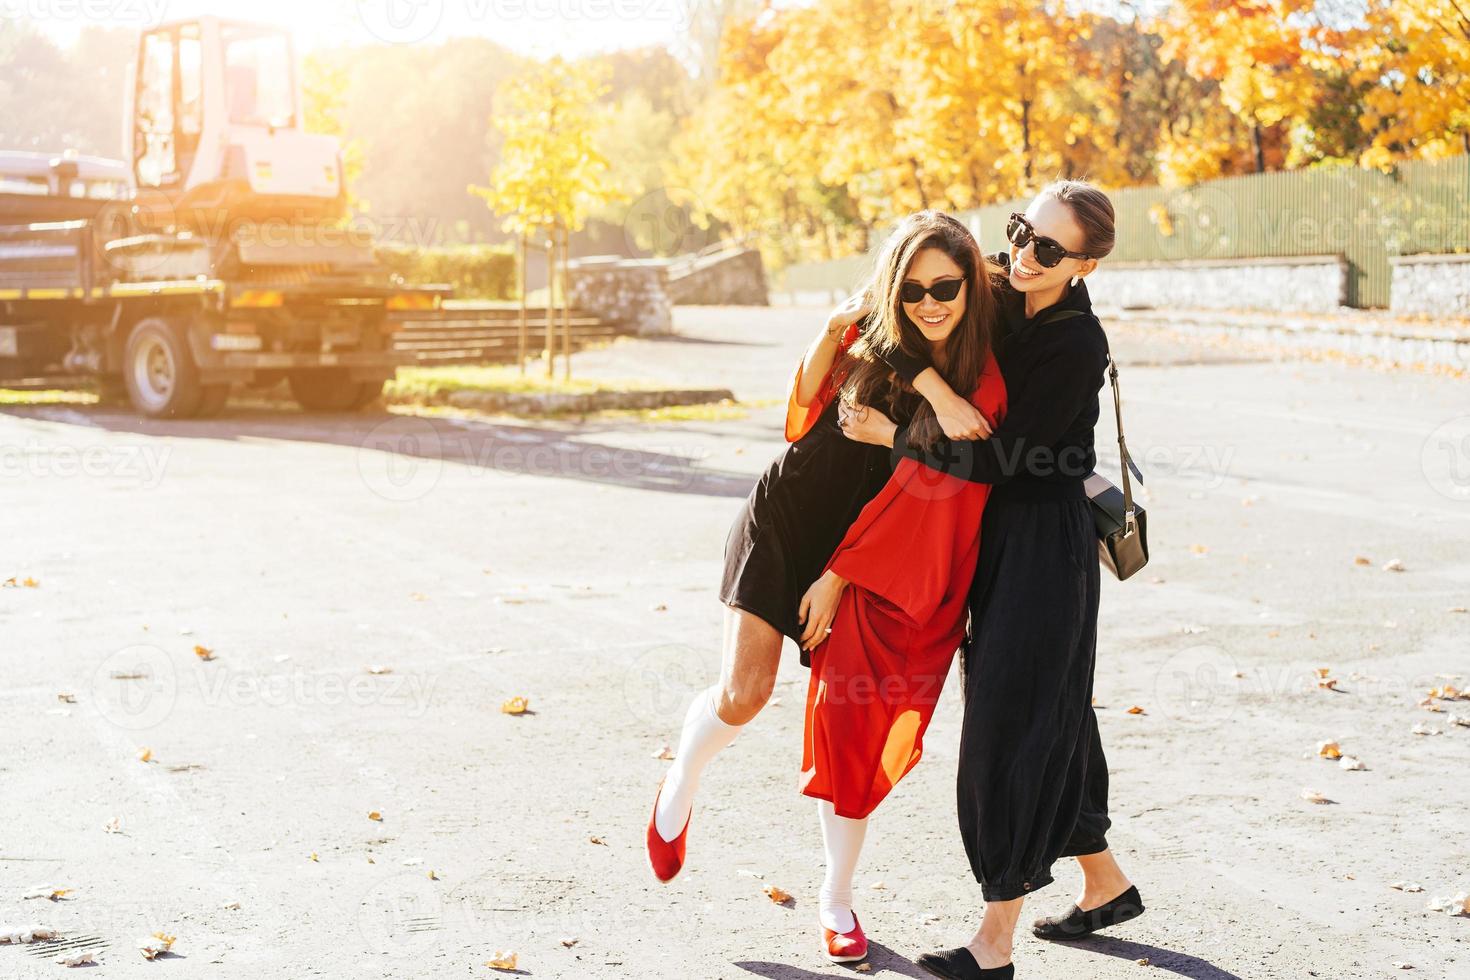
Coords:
pixel 703 737
pixel 843 838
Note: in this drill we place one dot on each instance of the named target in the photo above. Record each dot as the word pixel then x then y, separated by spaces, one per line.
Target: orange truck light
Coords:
pixel 413 301
pixel 255 299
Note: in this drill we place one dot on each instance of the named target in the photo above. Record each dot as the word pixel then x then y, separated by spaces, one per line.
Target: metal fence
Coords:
pixel 1366 216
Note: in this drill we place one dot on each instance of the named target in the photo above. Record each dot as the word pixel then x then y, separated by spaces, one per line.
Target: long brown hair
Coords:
pixel 867 380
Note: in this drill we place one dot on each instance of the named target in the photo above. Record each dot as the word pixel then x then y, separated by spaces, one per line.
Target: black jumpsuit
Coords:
pixel 1033 782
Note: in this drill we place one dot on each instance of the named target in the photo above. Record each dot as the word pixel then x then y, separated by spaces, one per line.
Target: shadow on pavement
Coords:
pixel 567 452
pixel 882 959
pixel 1167 960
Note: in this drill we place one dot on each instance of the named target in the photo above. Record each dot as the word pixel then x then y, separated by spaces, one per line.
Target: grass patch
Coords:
pixel 432 384
pixel 48 396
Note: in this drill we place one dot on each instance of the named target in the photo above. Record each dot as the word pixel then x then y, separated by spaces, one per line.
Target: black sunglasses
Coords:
pixel 1049 251
pixel 944 291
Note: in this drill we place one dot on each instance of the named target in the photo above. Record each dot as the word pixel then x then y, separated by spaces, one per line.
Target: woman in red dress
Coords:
pixel 864 566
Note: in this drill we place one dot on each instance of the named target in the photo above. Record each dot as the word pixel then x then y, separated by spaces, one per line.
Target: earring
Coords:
pixel 1076 280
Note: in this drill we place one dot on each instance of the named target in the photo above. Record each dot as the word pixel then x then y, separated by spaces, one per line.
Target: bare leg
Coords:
pixel 991 946
pixel 1103 880
pixel 748 664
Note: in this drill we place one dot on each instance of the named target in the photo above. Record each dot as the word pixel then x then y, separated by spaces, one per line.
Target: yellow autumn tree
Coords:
pixel 1414 55
pixel 550 176
pixel 1258 52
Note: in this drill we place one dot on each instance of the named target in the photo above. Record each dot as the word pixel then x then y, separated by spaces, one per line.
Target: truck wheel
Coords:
pixel 328 390
pixel 212 401
pixel 161 376
pixel 370 392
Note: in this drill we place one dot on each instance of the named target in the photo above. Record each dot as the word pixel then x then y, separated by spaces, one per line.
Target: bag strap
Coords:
pixel 1130 522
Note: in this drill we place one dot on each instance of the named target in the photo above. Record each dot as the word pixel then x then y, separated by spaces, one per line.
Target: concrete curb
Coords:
pixel 1380 338
pixel 551 403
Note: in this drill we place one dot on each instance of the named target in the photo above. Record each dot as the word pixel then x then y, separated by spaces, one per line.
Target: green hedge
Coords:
pixel 475 271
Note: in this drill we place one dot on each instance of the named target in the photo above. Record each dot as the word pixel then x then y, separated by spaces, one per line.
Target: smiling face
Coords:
pixel 1052 219
pixel 935 320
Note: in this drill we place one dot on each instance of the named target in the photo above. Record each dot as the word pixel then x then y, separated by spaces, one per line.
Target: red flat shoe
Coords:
pixel 666 858
pixel 846 947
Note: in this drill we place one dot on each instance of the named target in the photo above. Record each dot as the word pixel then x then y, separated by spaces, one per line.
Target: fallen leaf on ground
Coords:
pixel 864 968
pixel 203 653
pixel 67 698
pixel 1329 750
pixel 776 895
pixel 1462 720
pixel 1406 886
pixel 1323 671
pixel 1351 763
pixel 156 945
pixel 375 815
pixel 378 670
pixel 569 942
pixel 417 596
pixel 516 706
pixel 1393 565
pixel 658 607
pixel 113 826
pixel 28 934
pixel 314 857
pixel 1199 549
pixel 146 755
pixel 77 959
pixel 664 753
pixel 1136 710
pixel 597 840
pixel 1455 905
pixel 877 886
pixel 1330 683
pixel 1459 609
pixel 1312 796
pixel 1142 961
pixel 1360 560
pixel 502 960
pixel 1423 729
pixel 50 894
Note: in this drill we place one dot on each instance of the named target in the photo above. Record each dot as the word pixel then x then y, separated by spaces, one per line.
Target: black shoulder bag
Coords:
pixel 1122 528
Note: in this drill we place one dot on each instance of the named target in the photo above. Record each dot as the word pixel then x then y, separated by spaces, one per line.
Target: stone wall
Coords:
pixel 1313 283
pixel 630 294
pixel 728 279
pixel 1436 285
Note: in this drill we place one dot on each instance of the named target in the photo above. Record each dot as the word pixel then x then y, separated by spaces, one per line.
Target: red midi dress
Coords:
pixel 909 559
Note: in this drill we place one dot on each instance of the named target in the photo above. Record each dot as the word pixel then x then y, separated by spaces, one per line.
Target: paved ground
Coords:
pixel 576 565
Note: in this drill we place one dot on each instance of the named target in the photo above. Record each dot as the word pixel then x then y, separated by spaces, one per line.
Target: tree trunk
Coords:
pixel 523 340
pixel 1026 140
pixel 1258 148
pixel 549 353
pixel 566 302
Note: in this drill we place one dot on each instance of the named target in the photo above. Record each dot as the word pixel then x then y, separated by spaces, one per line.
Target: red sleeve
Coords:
pixel 800 418
pixel 918 538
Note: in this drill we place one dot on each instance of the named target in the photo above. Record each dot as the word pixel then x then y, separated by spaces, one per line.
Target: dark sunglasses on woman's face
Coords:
pixel 1049 251
pixel 944 291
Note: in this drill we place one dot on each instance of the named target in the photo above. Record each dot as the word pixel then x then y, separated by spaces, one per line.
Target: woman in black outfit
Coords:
pixel 1033 781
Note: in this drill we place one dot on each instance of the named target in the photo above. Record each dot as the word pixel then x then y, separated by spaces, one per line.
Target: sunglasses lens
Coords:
pixel 911 292
pixel 1017 233
pixel 1049 255
pixel 947 290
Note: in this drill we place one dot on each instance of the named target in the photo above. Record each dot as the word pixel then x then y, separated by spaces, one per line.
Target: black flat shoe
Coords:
pixel 1076 923
pixel 959 964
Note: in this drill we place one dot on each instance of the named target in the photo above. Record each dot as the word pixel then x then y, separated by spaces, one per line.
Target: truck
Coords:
pixel 217 255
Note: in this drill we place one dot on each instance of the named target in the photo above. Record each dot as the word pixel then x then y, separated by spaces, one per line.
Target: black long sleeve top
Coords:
pixel 1043 448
